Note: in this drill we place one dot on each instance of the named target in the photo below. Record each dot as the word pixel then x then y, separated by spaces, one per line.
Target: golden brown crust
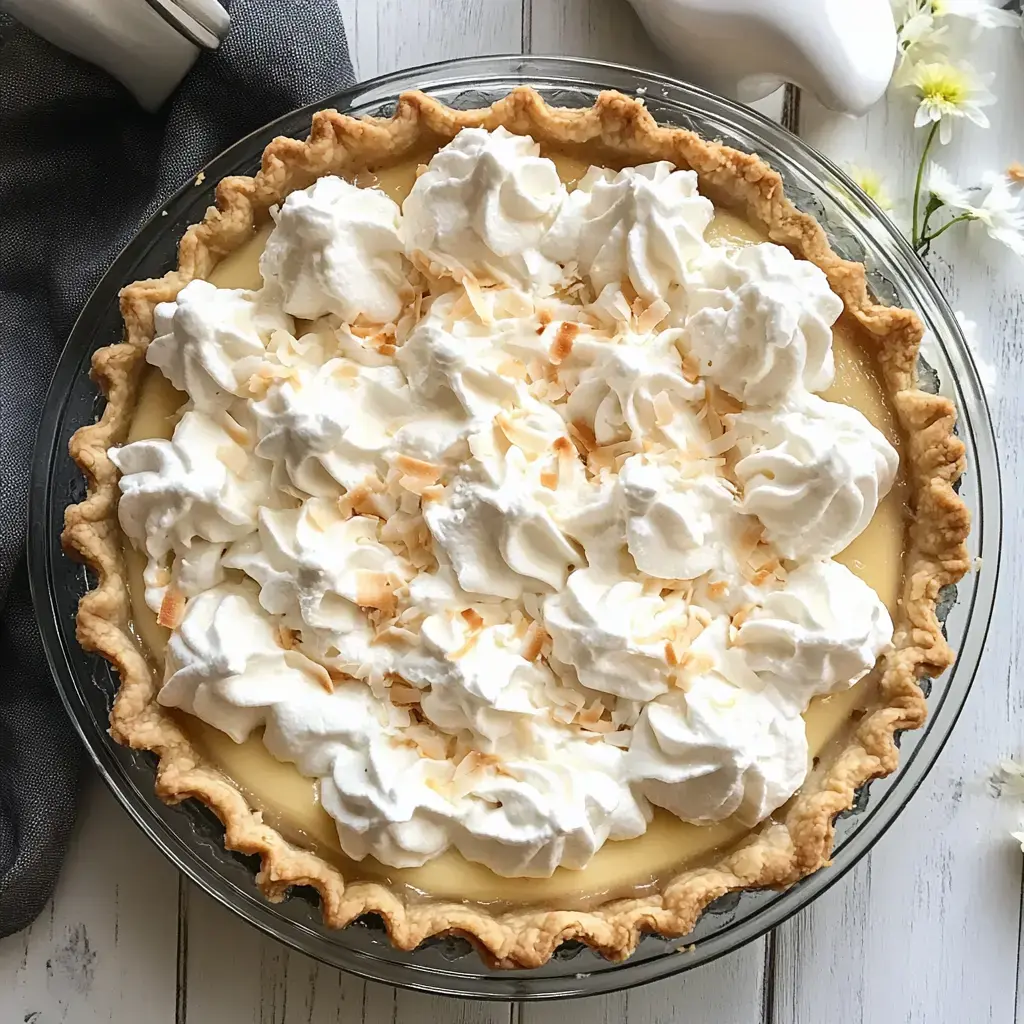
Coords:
pixel 778 855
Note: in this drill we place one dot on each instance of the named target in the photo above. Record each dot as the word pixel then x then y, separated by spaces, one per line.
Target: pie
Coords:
pixel 516 523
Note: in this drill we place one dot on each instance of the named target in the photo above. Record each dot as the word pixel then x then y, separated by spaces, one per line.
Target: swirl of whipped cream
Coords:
pixel 209 341
pixel 498 521
pixel 555 803
pixel 645 224
pixel 225 663
pixel 813 472
pixel 636 388
pixel 481 682
pixel 680 522
pixel 453 360
pixel 617 635
pixel 314 561
pixel 821 633
pixel 201 484
pixel 332 424
pixel 336 249
pixel 722 746
pixel 483 207
pixel 760 323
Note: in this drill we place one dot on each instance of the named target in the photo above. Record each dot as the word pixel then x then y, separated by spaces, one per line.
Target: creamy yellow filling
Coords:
pixel 290 802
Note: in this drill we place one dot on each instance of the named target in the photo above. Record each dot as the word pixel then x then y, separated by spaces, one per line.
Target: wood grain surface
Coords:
pixel 927 929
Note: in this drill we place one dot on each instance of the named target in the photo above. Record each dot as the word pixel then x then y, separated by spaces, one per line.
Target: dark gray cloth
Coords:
pixel 81 166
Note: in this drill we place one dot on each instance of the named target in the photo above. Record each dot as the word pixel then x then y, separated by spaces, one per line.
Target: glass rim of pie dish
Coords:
pixel 189 834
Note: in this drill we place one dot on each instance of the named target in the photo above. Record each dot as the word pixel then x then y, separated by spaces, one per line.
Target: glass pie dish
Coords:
pixel 189 834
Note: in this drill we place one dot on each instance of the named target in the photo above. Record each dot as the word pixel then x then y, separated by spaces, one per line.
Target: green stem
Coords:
pixel 928 239
pixel 915 237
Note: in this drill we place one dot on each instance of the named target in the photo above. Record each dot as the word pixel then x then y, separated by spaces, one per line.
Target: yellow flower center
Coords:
pixel 943 84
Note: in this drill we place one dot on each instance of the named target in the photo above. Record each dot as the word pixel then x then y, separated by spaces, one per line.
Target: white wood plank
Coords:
pixel 104 947
pixel 237 974
pixel 929 930
pixel 385 35
pixel 727 991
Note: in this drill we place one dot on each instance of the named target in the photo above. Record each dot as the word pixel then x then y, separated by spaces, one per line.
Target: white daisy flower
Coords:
pixel 1000 211
pixel 871 184
pixel 919 36
pixel 947 91
pixel 940 184
pixel 983 13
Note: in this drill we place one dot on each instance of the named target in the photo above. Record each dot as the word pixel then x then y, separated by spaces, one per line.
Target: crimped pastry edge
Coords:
pixel 781 852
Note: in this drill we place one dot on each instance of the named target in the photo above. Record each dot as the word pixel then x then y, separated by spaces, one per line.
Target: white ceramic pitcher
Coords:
pixel 842 51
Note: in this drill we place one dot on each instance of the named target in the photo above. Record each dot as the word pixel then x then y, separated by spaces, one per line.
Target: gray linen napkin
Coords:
pixel 81 167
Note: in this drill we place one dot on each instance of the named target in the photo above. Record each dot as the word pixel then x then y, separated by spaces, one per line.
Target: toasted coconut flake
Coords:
pixel 721 444
pixel 234 429
pixel 287 639
pixel 629 293
pixel 427 742
pixel 564 448
pixel 435 492
pixel 375 590
pixel 544 317
pixel 363 499
pixel 472 618
pixel 713 420
pixel 718 590
pixel 467 645
pixel 403 695
pixel 741 616
pixel 172 608
pixel 477 300
pixel 593 719
pixel 512 368
pixel 534 641
pixel 621 739
pixel 319 674
pixel 430 472
pixel 529 441
pixel 582 436
pixel 664 410
pixel 652 316
pixel 234 458
pixel 691 368
pixel 561 347
pixel 549 479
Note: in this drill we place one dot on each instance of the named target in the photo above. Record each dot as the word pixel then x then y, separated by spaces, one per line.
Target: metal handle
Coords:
pixel 203 22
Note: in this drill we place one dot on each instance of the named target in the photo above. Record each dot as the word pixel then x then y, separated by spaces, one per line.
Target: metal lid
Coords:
pixel 203 22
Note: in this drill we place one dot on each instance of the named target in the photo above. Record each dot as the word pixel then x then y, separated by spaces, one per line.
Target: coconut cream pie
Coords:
pixel 516 522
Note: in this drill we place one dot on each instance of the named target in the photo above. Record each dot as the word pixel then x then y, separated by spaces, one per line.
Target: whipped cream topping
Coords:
pixel 644 225
pixel 210 341
pixel 760 323
pixel 509 547
pixel 821 633
pixel 724 746
pixel 813 472
pixel 483 207
pixel 335 249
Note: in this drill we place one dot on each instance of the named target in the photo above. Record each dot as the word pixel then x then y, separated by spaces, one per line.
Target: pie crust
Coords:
pixel 779 852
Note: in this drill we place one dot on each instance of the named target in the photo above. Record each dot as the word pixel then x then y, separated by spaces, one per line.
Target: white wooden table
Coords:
pixel 927 929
